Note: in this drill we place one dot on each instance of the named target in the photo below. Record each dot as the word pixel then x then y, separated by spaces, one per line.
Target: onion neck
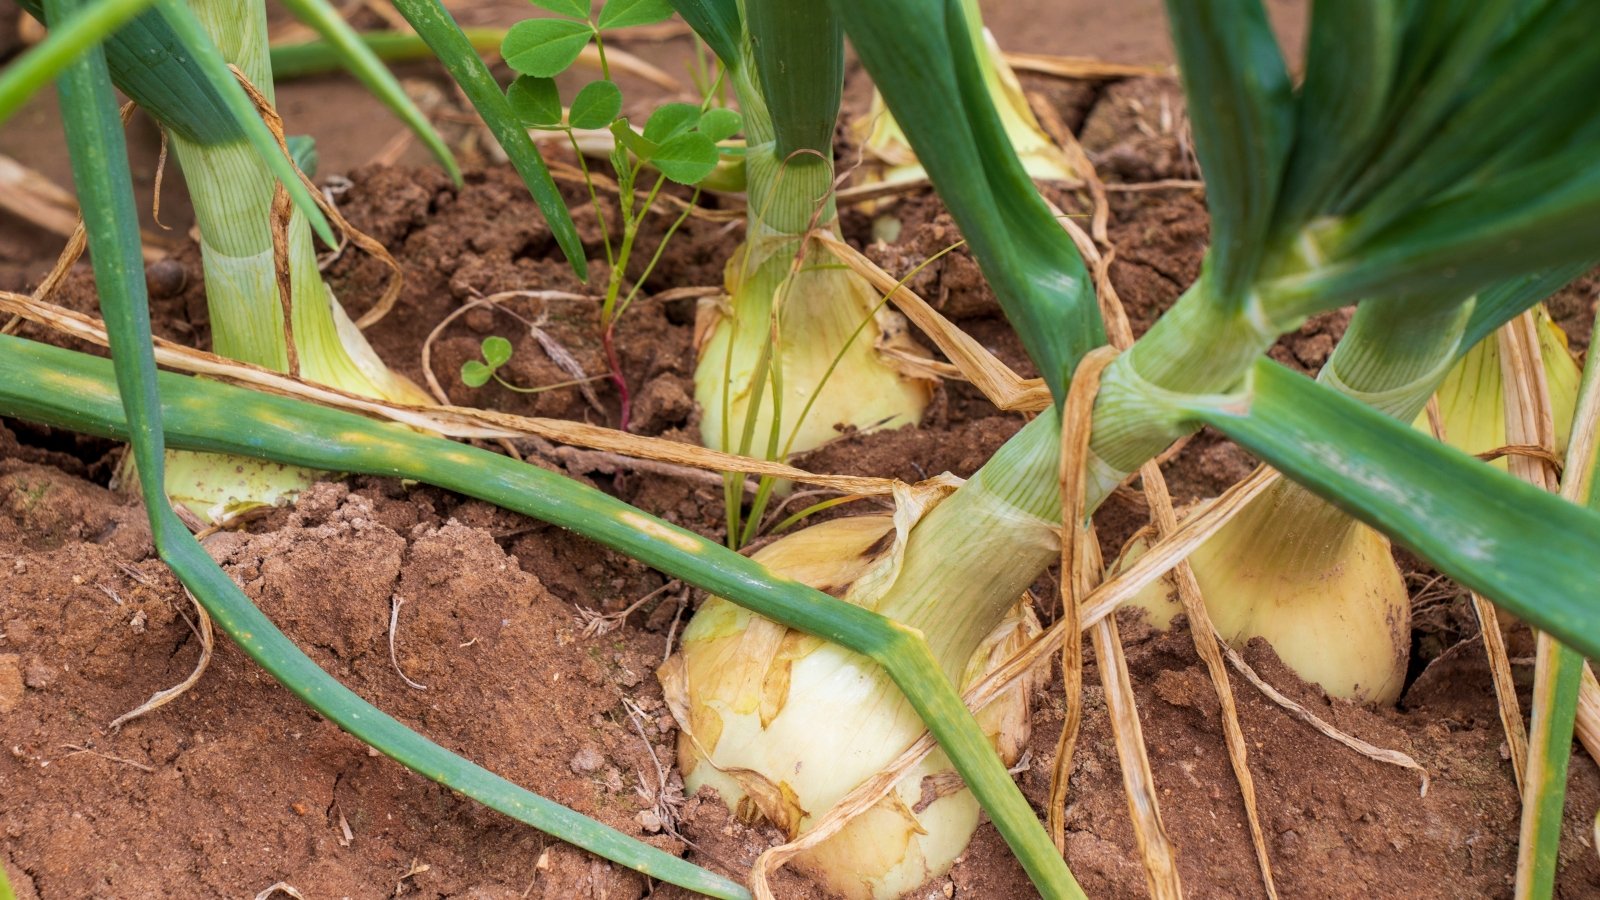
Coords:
pixel 785 195
pixel 974 554
pixel 1396 353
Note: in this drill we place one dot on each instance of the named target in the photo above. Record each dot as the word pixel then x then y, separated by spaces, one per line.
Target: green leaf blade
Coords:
pixel 923 63
pixel 535 101
pixel 628 13
pixel 1241 110
pixel 367 68
pixel 544 48
pixel 36 68
pixel 686 159
pixel 149 64
pixel 798 51
pixel 718 23
pixel 597 105
pixel 1351 61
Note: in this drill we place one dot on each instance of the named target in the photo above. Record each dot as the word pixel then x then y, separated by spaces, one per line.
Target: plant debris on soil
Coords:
pixel 236 786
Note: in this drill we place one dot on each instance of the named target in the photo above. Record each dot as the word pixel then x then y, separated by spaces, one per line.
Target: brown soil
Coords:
pixel 236 786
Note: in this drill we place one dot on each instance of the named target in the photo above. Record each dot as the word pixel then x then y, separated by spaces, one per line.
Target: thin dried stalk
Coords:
pixel 1081 68
pixel 1377 754
pixel 1079 569
pixel 1529 421
pixel 1003 387
pixel 453 421
pixel 1138 783
pixel 1589 713
pixel 1159 501
pixel 163 697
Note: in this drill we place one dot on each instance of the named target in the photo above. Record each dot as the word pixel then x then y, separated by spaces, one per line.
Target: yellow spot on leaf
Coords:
pixel 648 526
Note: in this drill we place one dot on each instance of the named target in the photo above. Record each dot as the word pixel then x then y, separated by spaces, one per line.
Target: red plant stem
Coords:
pixel 608 338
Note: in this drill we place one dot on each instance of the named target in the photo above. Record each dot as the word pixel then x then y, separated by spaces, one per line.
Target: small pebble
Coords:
pixel 39 676
pixel 649 821
pixel 165 278
pixel 587 761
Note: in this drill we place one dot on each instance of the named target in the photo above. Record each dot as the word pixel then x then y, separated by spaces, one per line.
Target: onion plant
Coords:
pixel 251 284
pixel 1301 225
pixel 1420 164
pixel 234 173
pixel 1330 194
pixel 794 351
pixel 1318 585
pixel 232 192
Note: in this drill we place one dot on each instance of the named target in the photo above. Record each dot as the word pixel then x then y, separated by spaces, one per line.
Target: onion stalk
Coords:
pixel 751 693
pixel 795 348
pixel 232 193
pixel 884 141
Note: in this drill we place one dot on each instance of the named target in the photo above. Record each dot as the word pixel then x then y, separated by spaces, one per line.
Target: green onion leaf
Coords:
pixel 36 68
pixel 717 23
pixel 1351 57
pixel 1242 112
pixel 923 62
pixel 798 50
pixel 149 64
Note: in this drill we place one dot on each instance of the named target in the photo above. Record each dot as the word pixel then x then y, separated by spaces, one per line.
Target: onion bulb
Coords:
pixel 1317 585
pixel 809 345
pixel 784 725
